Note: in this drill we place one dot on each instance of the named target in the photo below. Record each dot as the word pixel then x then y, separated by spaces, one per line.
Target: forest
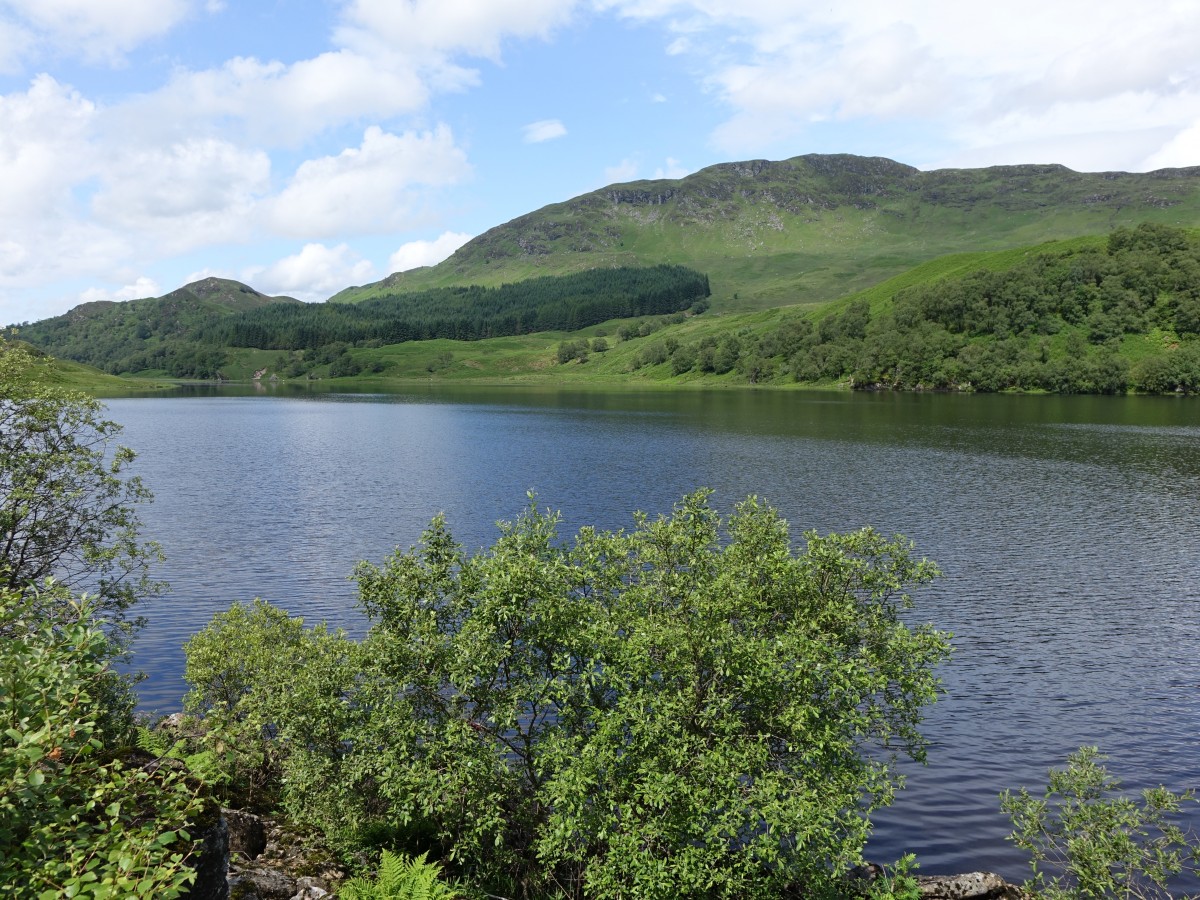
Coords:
pixel 470 313
pixel 187 338
pixel 1123 315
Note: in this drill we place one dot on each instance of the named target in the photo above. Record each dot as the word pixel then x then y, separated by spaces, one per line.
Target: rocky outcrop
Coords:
pixel 270 862
pixel 212 861
pixel 972 886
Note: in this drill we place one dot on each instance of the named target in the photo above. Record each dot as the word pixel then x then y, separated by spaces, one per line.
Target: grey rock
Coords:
pixel 212 862
pixel 971 886
pixel 261 884
pixel 309 889
pixel 247 834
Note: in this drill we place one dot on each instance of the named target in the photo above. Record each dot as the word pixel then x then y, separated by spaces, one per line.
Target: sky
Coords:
pixel 302 146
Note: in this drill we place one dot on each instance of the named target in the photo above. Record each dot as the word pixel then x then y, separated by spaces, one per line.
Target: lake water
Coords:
pixel 1066 528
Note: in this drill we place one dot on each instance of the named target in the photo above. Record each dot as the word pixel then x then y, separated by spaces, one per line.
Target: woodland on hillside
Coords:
pixel 1125 315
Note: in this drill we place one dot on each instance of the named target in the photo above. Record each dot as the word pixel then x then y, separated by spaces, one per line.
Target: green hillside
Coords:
pixel 810 229
pixel 65 373
pixel 150 335
pixel 1101 314
pixel 1082 316
pixel 822 269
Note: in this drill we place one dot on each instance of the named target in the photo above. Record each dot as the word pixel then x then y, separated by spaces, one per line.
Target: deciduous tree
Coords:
pixel 683 709
pixel 68 507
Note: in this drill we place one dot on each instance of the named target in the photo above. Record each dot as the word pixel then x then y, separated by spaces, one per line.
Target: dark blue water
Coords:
pixel 1066 529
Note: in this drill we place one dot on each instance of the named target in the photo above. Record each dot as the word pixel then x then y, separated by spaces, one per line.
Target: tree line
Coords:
pixel 190 339
pixel 1122 316
pixel 469 313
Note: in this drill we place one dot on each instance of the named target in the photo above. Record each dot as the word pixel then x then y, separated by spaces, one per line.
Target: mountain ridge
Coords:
pixel 806 229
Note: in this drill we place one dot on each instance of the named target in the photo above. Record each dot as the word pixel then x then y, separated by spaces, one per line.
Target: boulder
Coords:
pixel 971 886
pixel 247 834
pixel 288 865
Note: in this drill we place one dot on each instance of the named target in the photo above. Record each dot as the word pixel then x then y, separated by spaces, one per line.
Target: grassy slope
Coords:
pixel 808 230
pixel 531 358
pixel 75 376
pixel 807 234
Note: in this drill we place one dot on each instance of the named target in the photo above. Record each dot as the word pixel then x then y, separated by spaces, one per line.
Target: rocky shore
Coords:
pixel 251 857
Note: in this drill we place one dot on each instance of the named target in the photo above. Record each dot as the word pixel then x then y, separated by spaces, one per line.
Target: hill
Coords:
pixel 1098 314
pixel 809 229
pixel 154 334
pixel 1084 316
pixel 73 376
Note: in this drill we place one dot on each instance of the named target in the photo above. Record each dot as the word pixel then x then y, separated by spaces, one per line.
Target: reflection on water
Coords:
pixel 1065 528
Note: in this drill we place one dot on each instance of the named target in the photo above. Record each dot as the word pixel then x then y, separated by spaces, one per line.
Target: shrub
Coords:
pixel 1088 840
pixel 76 819
pixel 67 506
pixel 663 712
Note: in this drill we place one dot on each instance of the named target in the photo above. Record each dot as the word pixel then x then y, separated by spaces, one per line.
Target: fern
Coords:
pixel 205 765
pixel 155 743
pixel 400 878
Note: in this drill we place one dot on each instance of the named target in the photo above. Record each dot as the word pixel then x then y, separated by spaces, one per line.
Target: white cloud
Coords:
pixel 49 253
pixel 963 71
pixel 368 188
pixel 15 45
pixel 442 26
pixel 142 287
pixel 625 170
pixel 315 273
pixel 415 254
pixel 276 104
pixel 673 169
pixel 98 29
pixel 186 194
pixel 1179 152
pixel 43 150
pixel 545 130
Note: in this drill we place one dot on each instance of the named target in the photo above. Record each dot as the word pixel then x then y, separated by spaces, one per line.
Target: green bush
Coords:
pixel 897 882
pixel 1088 840
pixel 67 504
pixel 76 819
pixel 672 711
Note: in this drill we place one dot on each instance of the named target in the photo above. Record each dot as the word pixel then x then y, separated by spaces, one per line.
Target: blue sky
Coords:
pixel 302 146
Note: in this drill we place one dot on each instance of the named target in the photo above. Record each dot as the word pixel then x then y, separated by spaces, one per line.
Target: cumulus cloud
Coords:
pixel 189 193
pixel 15 46
pixel 276 104
pixel 97 29
pixel 44 134
pixel 367 188
pixel 315 273
pixel 672 169
pixel 142 287
pixel 966 72
pixel 441 26
pixel 415 254
pixel 625 170
pixel 545 130
pixel 46 253
pixel 1180 151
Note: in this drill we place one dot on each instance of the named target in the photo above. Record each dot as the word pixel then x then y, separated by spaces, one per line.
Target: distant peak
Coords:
pixel 207 287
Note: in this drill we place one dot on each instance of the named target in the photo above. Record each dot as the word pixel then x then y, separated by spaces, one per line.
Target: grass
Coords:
pixel 810 231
